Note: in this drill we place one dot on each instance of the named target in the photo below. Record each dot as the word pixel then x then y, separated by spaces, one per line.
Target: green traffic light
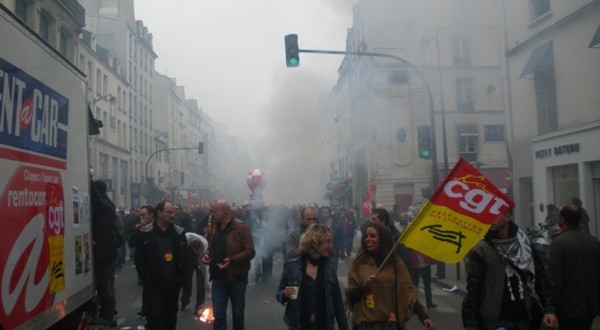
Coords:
pixel 425 153
pixel 293 61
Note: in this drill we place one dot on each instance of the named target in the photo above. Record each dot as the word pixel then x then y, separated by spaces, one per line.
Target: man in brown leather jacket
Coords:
pixel 230 251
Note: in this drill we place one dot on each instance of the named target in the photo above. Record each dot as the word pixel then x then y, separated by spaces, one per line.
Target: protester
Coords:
pixel 421 268
pixel 309 286
pixel 197 246
pixel 585 218
pixel 385 298
pixel 161 261
pixel 106 242
pixel 574 272
pixel 145 217
pixel 500 270
pixel 308 217
pixel 231 249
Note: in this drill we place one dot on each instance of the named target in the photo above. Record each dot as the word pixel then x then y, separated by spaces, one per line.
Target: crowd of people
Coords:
pixel 380 294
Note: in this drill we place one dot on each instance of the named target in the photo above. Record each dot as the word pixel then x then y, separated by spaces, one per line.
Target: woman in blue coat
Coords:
pixel 309 287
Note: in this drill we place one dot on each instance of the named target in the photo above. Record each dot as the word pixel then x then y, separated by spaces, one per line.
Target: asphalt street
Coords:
pixel 262 309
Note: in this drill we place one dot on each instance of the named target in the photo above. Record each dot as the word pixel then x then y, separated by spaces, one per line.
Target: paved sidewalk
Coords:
pixel 456 282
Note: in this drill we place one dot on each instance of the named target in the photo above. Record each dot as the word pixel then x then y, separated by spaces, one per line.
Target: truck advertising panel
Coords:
pixel 45 245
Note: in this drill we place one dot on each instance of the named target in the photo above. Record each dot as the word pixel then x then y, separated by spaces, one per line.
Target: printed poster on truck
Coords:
pixel 33 200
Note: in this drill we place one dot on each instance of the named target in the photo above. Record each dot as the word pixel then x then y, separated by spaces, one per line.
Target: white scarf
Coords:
pixel 517 250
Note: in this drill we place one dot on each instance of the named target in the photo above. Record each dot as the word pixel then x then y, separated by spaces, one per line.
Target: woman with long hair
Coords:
pixel 385 298
pixel 309 287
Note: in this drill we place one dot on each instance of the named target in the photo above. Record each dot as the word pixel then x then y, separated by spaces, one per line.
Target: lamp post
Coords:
pixel 441 267
pixel 147 190
pixel 425 43
pixel 434 160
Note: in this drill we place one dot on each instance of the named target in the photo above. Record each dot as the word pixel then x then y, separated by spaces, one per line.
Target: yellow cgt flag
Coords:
pixel 457 216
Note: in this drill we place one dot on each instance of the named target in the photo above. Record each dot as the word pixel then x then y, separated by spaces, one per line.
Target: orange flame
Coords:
pixel 207 315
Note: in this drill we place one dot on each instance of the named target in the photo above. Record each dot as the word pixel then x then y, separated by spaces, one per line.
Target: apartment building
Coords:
pixel 109 154
pixel 553 75
pixel 450 64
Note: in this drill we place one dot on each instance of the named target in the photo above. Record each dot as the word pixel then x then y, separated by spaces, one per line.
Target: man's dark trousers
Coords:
pixel 105 276
pixel 161 305
pixel 222 291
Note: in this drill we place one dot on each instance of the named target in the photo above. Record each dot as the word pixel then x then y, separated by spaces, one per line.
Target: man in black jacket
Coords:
pixel 500 270
pixel 106 241
pixel 161 261
pixel 574 272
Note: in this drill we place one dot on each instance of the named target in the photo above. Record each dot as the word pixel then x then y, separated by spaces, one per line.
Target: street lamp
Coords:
pixel 425 43
pixel 441 268
pixel 434 164
pixel 200 149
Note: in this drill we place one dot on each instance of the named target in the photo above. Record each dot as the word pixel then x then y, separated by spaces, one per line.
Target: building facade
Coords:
pixel 382 107
pixel 553 74
pixel 115 27
pixel 109 153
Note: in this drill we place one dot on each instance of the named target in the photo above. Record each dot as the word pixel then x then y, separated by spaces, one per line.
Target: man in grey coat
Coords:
pixel 574 272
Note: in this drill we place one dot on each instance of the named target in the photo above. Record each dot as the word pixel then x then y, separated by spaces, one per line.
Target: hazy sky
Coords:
pixel 229 55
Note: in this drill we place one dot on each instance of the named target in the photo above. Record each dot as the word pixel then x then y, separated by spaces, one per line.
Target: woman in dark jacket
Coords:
pixel 309 287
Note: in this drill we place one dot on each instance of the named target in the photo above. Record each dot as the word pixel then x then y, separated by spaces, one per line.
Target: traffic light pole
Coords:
pixel 148 162
pixel 434 165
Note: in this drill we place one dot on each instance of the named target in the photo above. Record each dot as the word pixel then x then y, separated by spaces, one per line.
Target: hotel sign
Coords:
pixel 565 149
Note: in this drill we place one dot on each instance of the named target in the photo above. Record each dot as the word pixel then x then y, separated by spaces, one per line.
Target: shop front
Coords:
pixel 566 164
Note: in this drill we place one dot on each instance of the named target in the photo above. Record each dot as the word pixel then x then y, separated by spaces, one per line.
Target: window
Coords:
pixel 398 78
pixel 467 142
pixel 90 73
pixel 545 93
pixel 63 43
pixel 545 98
pixel 103 162
pixel 464 94
pixel 98 82
pixel 462 51
pixel 123 181
pixel 538 7
pixel 45 27
pixel 104 85
pixel 21 10
pixel 565 183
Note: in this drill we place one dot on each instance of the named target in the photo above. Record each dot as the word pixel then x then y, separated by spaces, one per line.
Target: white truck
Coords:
pixel 46 277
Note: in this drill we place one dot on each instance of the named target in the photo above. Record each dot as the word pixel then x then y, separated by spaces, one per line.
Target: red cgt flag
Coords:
pixel 368 201
pixel 457 216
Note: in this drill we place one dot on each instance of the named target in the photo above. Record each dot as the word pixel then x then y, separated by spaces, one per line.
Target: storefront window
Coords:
pixel 565 183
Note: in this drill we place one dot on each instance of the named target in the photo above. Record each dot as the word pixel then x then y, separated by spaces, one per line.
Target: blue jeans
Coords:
pixel 222 292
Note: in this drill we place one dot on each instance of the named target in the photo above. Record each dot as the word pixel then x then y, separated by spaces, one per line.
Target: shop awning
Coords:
pixel 541 58
pixel 595 43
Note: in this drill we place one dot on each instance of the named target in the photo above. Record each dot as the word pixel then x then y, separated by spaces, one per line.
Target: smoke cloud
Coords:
pixel 289 152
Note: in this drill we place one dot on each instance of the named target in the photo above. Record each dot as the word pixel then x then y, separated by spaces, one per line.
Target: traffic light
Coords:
pixel 292 56
pixel 424 133
pixel 200 148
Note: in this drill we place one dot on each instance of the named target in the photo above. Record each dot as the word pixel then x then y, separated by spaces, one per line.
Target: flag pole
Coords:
pixel 399 239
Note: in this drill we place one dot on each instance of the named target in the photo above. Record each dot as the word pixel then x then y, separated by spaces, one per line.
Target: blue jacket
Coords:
pixel 292 276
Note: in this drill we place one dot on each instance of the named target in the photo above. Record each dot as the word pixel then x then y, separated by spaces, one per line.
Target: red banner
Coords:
pixel 457 216
pixel 368 201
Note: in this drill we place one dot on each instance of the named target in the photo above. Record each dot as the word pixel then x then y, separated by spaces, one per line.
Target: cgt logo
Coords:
pixel 25 255
pixel 474 199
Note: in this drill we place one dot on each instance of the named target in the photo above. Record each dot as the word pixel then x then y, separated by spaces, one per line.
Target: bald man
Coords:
pixel 574 272
pixel 229 253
